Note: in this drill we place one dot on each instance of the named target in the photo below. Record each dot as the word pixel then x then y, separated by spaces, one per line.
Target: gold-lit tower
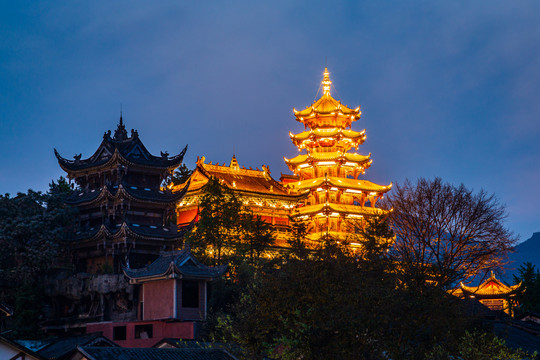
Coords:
pixel 328 169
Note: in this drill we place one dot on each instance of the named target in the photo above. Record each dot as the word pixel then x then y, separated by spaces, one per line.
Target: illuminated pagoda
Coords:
pixel 328 170
pixel 265 196
pixel 124 214
pixel 492 293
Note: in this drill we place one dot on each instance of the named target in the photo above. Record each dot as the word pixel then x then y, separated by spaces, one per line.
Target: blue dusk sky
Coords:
pixel 447 88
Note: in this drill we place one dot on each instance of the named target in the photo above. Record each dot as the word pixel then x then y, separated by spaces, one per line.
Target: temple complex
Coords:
pixel 328 171
pixel 125 216
pixel 492 293
pixel 265 196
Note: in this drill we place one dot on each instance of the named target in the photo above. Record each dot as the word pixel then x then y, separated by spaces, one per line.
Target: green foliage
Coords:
pixel 219 224
pixel 529 299
pixel 27 311
pixel 31 226
pixel 334 304
pixel 180 175
pixel 478 346
pixel 256 236
pixel 297 241
pixel 228 231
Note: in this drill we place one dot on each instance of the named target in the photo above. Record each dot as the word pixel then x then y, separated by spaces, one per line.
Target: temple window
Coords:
pixel 143 331
pixel 119 333
pixel 190 294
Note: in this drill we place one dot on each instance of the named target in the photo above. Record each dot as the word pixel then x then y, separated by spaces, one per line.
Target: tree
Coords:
pixel 219 225
pixel 447 233
pixel 478 346
pixel 180 175
pixel 32 225
pixel 297 240
pixel 257 235
pixel 333 304
pixel 529 299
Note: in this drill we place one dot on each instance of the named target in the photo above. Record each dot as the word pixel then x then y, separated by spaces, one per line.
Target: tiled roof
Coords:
pixel 62 346
pixel 97 353
pixel 130 149
pixel 180 262
pixel 345 183
pixel 240 179
pixel 156 232
pixel 30 355
pixel 491 287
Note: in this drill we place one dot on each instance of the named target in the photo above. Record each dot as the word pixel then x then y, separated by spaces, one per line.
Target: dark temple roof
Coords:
pixel 170 264
pixel 131 230
pixel 123 190
pixel 101 353
pixel 57 348
pixel 120 146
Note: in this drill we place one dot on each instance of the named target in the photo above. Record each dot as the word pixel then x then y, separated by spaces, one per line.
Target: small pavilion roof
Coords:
pixel 120 147
pixel 490 287
pixel 327 105
pixel 175 264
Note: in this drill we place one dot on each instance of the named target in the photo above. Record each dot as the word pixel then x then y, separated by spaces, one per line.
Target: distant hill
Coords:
pixel 528 250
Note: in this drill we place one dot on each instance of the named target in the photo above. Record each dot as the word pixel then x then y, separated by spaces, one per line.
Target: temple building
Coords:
pixel 328 171
pixel 492 293
pixel 172 301
pixel 256 188
pixel 125 216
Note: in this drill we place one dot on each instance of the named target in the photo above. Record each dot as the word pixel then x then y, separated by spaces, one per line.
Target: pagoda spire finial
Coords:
pixel 234 163
pixel 326 83
pixel 120 133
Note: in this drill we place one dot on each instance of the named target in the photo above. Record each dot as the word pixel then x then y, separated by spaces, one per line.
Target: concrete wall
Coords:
pixel 160 330
pixel 158 299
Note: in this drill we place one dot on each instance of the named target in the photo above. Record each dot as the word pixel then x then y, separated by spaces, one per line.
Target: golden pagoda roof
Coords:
pixel 319 132
pixel 362 185
pixel 328 156
pixel 340 209
pixel 237 178
pixel 327 105
pixel 491 287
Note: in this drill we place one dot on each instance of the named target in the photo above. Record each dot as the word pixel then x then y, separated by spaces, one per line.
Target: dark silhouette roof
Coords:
pixel 123 148
pixel 123 190
pixel 101 353
pixel 20 348
pixel 519 334
pixel 132 230
pixel 59 347
pixel 176 262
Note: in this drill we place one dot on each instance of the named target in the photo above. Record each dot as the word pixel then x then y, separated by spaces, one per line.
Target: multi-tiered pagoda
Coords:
pixel 124 213
pixel 328 170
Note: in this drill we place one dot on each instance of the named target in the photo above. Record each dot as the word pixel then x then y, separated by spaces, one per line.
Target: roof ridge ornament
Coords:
pixel 234 163
pixel 326 83
pixel 120 134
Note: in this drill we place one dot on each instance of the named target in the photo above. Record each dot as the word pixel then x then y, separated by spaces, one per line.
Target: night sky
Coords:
pixel 449 89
